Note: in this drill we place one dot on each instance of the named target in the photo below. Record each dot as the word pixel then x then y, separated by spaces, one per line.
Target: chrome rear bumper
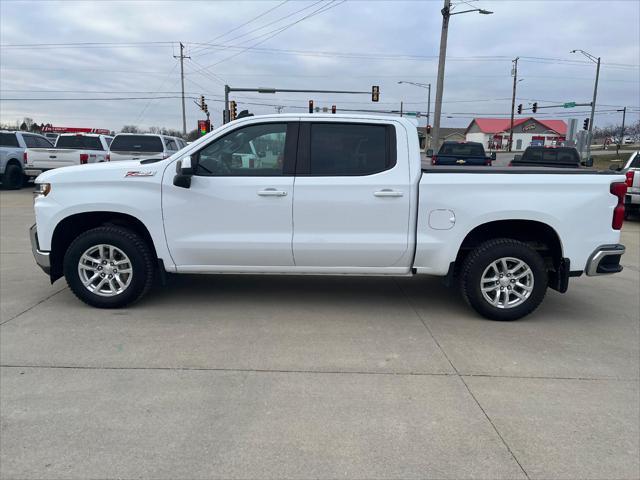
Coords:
pixel 42 258
pixel 605 260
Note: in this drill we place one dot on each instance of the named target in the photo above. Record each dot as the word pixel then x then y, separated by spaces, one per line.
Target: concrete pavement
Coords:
pixel 283 377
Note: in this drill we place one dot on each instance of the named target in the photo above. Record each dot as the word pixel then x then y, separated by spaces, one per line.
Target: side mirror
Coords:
pixel 184 172
pixel 587 163
pixel 493 155
pixel 429 152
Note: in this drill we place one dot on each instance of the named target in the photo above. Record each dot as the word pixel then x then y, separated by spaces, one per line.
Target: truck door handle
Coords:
pixel 272 192
pixel 387 192
pixel 52 156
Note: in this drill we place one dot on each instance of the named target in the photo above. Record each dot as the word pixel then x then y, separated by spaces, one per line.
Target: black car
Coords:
pixel 461 153
pixel 559 157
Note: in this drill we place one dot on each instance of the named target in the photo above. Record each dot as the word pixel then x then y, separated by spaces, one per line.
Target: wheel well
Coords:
pixel 13 161
pixel 540 236
pixel 68 229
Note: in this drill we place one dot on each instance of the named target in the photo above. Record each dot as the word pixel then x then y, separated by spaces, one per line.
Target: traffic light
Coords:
pixel 428 128
pixel 375 93
pixel 310 106
pixel 233 110
pixel 205 108
pixel 333 109
pixel 520 109
pixel 203 127
pixel 202 102
pixel 585 124
pixel 535 107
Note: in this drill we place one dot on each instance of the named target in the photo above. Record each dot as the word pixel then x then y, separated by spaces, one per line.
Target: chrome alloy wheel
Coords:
pixel 105 270
pixel 507 282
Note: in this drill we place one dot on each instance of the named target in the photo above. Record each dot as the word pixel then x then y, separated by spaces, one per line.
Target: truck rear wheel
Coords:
pixel 109 267
pixel 504 279
pixel 12 178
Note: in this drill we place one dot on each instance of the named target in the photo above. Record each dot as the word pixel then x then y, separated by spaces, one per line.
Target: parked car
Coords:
pixel 461 153
pixel 12 156
pixel 70 149
pixel 347 197
pixel 632 172
pixel 558 157
pixel 140 146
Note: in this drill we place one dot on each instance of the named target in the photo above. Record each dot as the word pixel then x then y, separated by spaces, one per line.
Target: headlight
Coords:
pixel 42 190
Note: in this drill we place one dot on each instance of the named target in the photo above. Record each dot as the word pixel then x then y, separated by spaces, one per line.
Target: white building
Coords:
pixel 493 133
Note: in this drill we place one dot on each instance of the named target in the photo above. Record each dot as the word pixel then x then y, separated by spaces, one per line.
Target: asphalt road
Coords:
pixel 282 377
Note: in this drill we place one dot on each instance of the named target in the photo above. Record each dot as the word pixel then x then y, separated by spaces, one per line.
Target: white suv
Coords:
pixel 142 146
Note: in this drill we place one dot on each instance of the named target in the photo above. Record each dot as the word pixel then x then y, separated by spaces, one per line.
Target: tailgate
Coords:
pixel 44 159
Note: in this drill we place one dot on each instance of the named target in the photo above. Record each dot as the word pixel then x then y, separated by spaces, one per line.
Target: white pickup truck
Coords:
pixel 347 196
pixel 70 149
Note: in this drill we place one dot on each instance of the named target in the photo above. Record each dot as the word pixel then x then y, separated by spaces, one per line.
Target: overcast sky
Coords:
pixel 348 45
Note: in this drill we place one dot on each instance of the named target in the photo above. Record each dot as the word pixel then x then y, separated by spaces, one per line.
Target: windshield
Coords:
pixel 81 142
pixel 462 150
pixel 140 143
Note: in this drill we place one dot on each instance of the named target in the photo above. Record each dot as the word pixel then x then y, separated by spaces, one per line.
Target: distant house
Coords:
pixel 454 134
pixel 493 133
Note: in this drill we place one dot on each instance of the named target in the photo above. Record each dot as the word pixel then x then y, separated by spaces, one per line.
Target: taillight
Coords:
pixel 84 158
pixel 107 157
pixel 434 159
pixel 629 179
pixel 488 162
pixel 619 189
pixel 24 157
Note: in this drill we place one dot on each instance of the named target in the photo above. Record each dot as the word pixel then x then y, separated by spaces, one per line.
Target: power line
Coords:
pixel 322 9
pixel 260 15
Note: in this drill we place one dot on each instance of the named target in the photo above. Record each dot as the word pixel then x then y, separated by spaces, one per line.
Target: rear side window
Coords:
pixel 34 141
pixel 136 143
pixel 8 140
pixel 79 142
pixel 462 150
pixel 552 155
pixel 108 140
pixel 636 162
pixel 339 149
pixel 171 144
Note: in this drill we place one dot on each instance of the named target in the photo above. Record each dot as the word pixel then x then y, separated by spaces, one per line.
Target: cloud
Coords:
pixel 374 31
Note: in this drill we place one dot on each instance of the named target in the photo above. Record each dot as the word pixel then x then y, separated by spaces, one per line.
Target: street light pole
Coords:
pixel 428 87
pixel 595 94
pixel 624 114
pixel 446 13
pixel 435 131
pixel 513 101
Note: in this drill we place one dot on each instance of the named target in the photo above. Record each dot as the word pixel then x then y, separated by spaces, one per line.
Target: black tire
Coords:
pixel 12 179
pixel 482 257
pixel 142 265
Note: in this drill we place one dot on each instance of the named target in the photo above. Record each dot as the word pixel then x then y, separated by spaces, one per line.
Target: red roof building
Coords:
pixel 493 133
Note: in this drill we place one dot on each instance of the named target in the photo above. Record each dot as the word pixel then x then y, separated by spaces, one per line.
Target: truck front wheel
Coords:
pixel 504 279
pixel 109 267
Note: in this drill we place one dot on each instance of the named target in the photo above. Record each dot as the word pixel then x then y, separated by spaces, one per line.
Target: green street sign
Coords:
pixel 569 105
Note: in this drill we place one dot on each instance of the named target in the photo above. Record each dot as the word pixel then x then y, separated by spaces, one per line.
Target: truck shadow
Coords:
pixel 306 292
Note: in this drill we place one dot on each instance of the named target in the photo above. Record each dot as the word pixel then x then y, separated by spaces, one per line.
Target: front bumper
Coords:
pixel 42 258
pixel 605 260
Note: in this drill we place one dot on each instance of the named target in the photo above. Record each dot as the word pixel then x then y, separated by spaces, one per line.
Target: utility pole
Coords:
pixel 446 12
pixel 513 100
pixel 401 107
pixel 184 113
pixel 624 114
pixel 593 110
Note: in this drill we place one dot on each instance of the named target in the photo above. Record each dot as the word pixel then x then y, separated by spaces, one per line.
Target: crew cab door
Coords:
pixel 236 215
pixel 352 198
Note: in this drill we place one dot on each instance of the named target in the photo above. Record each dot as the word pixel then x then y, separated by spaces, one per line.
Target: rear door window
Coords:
pixel 8 140
pixel 79 142
pixel 136 143
pixel 341 149
pixel 171 144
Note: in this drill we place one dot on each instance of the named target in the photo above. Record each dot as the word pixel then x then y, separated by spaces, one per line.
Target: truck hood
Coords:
pixel 102 171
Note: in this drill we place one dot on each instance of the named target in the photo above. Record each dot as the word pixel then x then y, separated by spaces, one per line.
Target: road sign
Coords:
pixel 569 105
